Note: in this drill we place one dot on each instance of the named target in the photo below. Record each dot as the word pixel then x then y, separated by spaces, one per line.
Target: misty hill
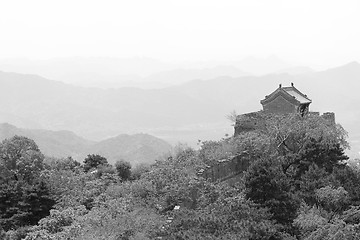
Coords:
pixel 187 112
pixel 261 66
pixel 105 72
pixel 183 75
pixel 136 148
pixel 51 143
pixel 96 113
pixel 157 80
pixel 297 70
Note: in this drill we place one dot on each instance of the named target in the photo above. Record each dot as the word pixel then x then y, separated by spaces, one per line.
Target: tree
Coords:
pixel 232 117
pixel 123 169
pixel 20 159
pixel 306 141
pixel 93 161
pixel 256 145
pixel 267 185
pixel 229 216
pixel 24 198
pixel 349 178
pixel 139 170
pixel 327 218
pixel 22 204
pixel 62 164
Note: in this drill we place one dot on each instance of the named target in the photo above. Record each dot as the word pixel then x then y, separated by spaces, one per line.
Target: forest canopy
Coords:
pixel 299 185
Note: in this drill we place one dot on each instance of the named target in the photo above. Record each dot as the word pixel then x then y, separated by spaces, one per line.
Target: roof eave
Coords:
pixel 282 92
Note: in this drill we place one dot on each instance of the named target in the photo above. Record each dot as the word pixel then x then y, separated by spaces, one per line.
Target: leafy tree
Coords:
pixel 105 170
pixel 230 216
pixel 24 198
pixel 256 144
pixel 11 213
pixel 20 159
pixel 60 224
pixel 123 169
pixel 62 164
pixel 314 178
pixel 23 204
pixel 267 185
pixel 93 161
pixel 332 199
pixel 349 178
pixel 307 141
pixel 38 201
pixel 327 219
pixel 139 170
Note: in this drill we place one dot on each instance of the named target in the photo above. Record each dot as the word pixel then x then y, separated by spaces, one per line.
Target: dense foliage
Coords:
pixel 299 186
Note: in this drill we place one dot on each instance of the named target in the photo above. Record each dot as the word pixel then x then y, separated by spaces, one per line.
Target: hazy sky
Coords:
pixel 309 31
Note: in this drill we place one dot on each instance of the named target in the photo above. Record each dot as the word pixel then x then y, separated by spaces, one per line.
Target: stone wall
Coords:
pixel 249 122
pixel 329 116
pixel 226 168
pixel 257 120
pixel 280 106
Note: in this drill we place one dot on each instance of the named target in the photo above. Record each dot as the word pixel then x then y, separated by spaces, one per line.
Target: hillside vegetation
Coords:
pixel 299 185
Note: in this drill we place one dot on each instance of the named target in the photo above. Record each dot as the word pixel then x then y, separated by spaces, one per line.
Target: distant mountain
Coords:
pixel 184 75
pixel 56 68
pixel 96 113
pixel 135 148
pixel 191 111
pixel 297 70
pixel 105 72
pixel 51 143
pixel 138 148
pixel 115 72
pixel 156 80
pixel 262 66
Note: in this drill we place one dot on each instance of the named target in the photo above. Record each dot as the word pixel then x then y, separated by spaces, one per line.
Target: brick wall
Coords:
pixel 329 116
pixel 249 122
pixel 280 106
pixel 226 168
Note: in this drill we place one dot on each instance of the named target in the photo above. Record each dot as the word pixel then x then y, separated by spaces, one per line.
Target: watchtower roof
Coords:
pixel 290 92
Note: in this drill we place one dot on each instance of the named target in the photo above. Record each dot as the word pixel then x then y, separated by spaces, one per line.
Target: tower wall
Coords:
pixel 329 116
pixel 280 106
pixel 249 122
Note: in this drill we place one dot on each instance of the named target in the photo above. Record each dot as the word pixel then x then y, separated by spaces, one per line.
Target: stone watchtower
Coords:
pixel 286 100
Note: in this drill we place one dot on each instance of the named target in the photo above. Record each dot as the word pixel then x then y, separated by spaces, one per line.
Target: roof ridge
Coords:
pixel 290 92
pixel 298 91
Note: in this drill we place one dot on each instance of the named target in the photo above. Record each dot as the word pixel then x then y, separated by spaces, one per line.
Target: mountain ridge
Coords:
pixel 65 143
pixel 187 112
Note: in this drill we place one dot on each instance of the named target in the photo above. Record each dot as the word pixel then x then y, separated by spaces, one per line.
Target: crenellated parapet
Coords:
pixel 226 168
pixel 329 116
pixel 250 122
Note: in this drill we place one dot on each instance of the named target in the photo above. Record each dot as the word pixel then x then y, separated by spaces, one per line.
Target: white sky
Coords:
pixel 309 31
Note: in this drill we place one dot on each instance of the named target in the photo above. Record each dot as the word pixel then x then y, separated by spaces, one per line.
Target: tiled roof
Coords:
pixel 290 92
pixel 298 96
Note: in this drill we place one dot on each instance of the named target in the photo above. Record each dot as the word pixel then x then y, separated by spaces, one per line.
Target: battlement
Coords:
pixel 329 116
pixel 283 101
pixel 249 122
pixel 258 120
pixel 226 168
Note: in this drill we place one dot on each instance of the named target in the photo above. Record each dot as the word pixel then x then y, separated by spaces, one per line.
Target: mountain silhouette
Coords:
pixel 190 111
pixel 138 148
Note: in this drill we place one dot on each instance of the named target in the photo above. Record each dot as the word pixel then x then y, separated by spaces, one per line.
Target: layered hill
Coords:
pixel 138 148
pixel 187 112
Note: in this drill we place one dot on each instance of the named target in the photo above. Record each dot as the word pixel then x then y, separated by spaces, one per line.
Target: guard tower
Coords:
pixel 286 100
